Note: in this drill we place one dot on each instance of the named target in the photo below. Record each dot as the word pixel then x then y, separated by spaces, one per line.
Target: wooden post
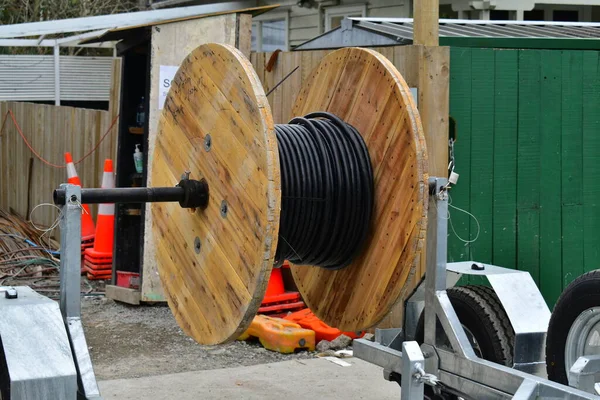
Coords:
pixel 426 22
pixel 433 75
pixel 433 84
pixel 114 104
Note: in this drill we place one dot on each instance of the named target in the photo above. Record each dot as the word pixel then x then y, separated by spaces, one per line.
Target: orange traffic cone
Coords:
pixel 100 256
pixel 87 223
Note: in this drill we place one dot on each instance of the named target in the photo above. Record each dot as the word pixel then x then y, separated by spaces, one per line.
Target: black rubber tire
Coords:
pixel 480 311
pixel 581 294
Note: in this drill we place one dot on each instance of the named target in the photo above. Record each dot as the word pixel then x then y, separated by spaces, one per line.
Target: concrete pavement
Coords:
pixel 288 380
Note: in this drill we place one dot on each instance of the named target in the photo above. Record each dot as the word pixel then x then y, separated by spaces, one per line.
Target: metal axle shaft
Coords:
pixel 189 193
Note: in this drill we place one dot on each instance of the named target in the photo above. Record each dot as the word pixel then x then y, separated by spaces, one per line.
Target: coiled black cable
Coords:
pixel 327 191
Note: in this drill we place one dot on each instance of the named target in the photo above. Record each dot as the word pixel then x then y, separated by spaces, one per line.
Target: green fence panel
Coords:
pixel 550 201
pixel 591 161
pixel 572 165
pixel 528 155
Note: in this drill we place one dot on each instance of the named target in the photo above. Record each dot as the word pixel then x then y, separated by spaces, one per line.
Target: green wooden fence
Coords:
pixel 528 155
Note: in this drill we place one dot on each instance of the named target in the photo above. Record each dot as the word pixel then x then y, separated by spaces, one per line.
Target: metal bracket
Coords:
pixel 585 373
pixel 412 372
pixel 391 337
pixel 526 309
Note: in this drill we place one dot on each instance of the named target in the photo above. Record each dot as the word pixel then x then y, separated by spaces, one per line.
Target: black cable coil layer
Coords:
pixel 327 191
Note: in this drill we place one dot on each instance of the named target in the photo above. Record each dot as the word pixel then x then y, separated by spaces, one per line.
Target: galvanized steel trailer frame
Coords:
pixel 458 370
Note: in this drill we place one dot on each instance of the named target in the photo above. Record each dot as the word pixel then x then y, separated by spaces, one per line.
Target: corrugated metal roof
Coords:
pixel 118 33
pixel 403 28
pixel 124 20
pixel 31 78
pixel 399 31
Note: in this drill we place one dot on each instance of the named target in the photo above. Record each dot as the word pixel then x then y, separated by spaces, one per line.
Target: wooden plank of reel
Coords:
pixel 215 263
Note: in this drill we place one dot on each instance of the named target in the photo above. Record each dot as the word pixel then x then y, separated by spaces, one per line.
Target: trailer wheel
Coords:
pixel 574 328
pixel 484 320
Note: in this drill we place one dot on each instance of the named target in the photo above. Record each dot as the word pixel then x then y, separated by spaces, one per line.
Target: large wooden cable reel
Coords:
pixel 215 263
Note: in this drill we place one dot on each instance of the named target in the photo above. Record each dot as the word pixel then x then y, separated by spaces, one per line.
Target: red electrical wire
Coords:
pixel 114 121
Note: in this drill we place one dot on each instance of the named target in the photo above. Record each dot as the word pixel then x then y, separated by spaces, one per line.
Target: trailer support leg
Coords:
pixel 412 371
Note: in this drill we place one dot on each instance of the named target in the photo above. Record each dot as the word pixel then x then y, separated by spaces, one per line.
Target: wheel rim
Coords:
pixel 473 341
pixel 584 337
pixel 470 337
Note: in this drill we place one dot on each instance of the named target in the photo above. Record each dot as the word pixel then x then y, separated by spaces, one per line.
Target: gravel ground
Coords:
pixel 136 341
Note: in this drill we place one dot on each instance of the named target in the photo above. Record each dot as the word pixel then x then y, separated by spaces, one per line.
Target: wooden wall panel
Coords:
pixel 51 131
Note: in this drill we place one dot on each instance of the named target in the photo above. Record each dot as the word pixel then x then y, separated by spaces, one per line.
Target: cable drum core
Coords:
pixel 327 191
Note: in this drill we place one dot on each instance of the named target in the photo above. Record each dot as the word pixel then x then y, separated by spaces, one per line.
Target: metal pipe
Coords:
pixel 56 73
pixel 124 195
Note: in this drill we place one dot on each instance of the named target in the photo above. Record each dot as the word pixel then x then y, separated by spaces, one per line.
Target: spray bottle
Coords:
pixel 138 159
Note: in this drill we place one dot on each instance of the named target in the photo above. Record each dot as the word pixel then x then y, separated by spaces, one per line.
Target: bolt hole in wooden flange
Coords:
pixel 215 293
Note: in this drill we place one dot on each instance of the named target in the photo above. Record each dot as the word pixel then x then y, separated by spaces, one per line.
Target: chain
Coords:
pixel 452 164
pixel 452 176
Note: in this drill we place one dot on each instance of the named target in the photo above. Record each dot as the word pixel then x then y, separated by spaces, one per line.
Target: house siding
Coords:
pixel 304 22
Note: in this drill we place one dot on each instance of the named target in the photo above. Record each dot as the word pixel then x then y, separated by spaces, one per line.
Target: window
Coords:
pixel 270 32
pixel 335 15
pixel 499 15
pixel 565 15
pixel 534 15
pixel 446 11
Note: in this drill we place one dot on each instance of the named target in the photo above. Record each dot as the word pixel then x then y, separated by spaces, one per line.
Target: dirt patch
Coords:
pixel 135 341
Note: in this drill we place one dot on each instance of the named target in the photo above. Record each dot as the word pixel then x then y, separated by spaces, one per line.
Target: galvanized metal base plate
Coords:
pixel 35 347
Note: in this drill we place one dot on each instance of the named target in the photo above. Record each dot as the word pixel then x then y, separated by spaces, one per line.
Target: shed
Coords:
pixel 525 98
pixel 55 77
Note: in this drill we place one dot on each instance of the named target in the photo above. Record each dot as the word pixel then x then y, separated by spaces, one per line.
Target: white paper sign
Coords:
pixel 166 75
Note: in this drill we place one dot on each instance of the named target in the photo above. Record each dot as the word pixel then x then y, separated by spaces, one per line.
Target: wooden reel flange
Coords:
pixel 215 263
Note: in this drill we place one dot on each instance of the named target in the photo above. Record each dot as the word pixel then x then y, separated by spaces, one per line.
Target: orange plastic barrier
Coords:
pixel 306 319
pixel 279 335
